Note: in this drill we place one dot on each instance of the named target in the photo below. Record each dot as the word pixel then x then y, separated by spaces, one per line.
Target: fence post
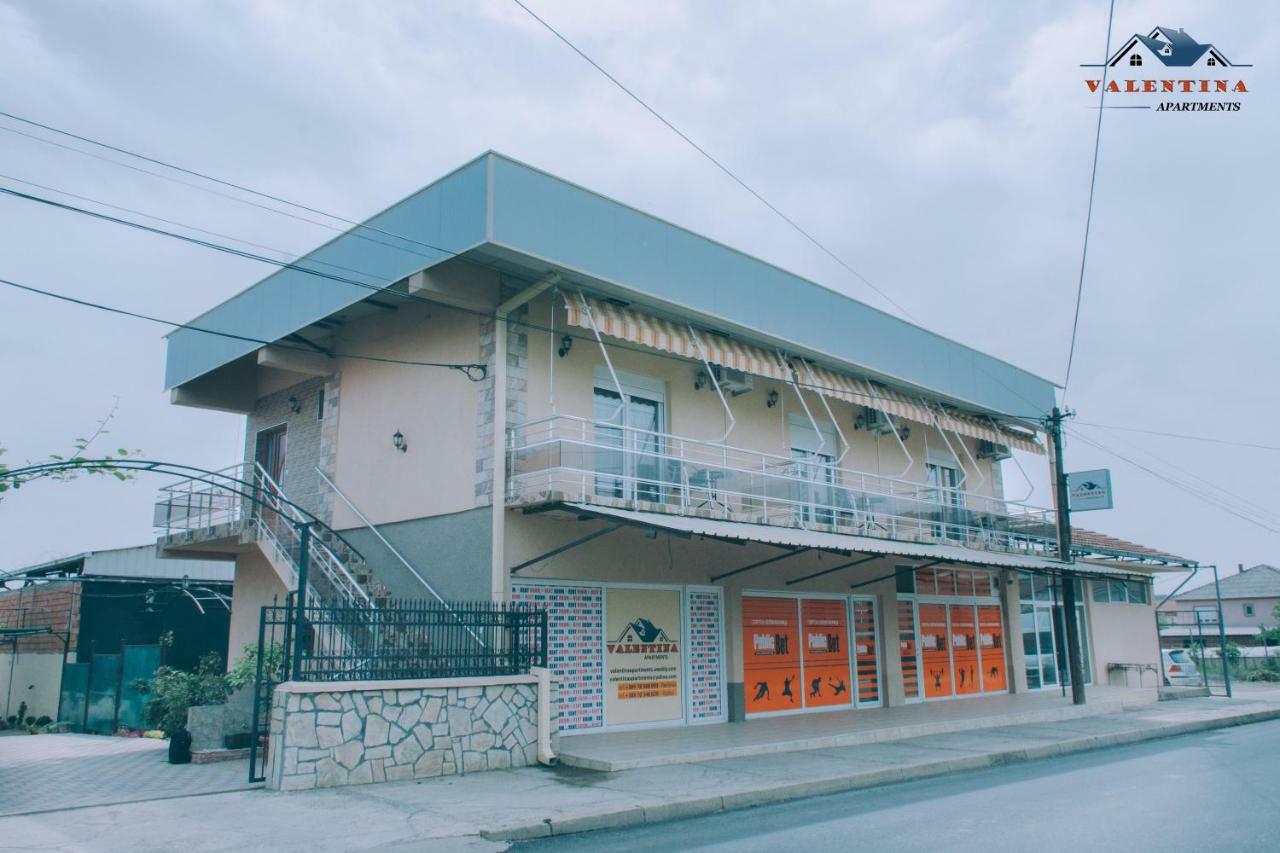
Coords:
pixel 304 547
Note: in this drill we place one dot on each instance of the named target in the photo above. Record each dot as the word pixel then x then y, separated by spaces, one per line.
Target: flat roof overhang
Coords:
pixel 792 537
pixel 497 212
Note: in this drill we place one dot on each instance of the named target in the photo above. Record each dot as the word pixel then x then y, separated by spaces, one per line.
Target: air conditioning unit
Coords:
pixel 994 452
pixel 874 421
pixel 733 382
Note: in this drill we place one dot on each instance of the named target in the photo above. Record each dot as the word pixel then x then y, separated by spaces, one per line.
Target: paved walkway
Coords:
pixel 40 773
pixel 462 813
pixel 616 751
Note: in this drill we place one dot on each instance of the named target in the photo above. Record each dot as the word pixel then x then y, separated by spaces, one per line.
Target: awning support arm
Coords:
pixel 791 553
pixel 625 402
pixel 834 422
pixel 894 573
pixel 711 374
pixel 582 540
pixel 1031 487
pixel 822 439
pixel 838 568
pixel 911 460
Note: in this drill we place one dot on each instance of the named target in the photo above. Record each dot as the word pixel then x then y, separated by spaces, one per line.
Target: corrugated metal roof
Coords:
pixel 139 561
pixel 497 211
pixel 796 537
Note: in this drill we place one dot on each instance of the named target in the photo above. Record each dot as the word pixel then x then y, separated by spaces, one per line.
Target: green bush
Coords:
pixel 245 670
pixel 173 691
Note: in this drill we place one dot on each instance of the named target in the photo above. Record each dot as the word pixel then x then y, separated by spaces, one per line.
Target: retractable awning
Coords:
pixel 638 328
pixel 792 537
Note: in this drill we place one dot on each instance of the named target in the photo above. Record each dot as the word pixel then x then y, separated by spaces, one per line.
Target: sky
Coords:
pixel 942 149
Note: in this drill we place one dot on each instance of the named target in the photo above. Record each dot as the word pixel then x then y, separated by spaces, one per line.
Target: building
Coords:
pixel 737 492
pixel 1249 601
pixel 75 632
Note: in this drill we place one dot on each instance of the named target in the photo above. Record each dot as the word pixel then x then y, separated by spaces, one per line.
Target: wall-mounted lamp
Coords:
pixel 398 442
pixel 566 344
pixel 904 433
pixel 700 381
pixel 772 399
pixel 295 405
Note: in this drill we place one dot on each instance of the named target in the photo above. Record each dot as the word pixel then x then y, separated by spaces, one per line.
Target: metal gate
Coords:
pixel 402 639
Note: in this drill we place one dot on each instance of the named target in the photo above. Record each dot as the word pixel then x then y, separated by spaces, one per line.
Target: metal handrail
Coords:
pixel 364 519
pixel 563 454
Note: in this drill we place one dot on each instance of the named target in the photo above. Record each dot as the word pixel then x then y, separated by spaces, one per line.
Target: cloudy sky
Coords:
pixel 942 148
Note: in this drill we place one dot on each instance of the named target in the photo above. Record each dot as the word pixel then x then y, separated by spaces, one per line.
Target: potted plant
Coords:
pixel 174 691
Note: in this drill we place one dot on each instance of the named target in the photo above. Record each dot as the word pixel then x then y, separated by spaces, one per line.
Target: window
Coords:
pixel 1248 610
pixel 1044 631
pixel 814 452
pixel 1135 59
pixel 1121 592
pixel 320 405
pixel 1206 615
pixel 629 454
pixel 1212 61
pixel 945 483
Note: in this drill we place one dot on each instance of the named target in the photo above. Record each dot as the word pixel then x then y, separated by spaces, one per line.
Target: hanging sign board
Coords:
pixel 642 656
pixel 1088 490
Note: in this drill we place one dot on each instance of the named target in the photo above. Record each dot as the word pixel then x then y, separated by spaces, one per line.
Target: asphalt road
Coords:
pixel 1215 791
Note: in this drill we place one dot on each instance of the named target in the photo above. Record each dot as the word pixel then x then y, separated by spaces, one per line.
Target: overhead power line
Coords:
pixel 378 288
pixel 713 160
pixel 474 372
pixel 1263 521
pixel 1088 219
pixel 1184 436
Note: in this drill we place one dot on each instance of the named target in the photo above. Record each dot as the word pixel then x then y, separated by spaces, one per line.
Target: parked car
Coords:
pixel 1180 670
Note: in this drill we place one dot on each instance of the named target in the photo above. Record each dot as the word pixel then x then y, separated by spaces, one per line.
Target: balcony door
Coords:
pixel 628 438
pixel 943 477
pixel 269 452
pixel 814 452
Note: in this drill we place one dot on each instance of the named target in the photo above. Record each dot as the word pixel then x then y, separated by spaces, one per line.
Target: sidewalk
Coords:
pixel 482 811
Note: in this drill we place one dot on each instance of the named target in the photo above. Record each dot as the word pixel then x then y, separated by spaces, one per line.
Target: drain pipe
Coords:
pixel 498 495
pixel 545 754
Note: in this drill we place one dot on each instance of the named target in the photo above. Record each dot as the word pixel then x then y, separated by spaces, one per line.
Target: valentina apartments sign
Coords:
pixel 1169 71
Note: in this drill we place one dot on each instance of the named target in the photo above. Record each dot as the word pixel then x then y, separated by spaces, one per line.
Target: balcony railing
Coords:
pixel 575 459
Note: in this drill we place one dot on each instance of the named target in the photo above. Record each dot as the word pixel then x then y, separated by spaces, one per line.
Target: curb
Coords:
pixel 635 815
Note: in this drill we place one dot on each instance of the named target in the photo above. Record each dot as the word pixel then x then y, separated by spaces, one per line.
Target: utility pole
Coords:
pixel 1070 624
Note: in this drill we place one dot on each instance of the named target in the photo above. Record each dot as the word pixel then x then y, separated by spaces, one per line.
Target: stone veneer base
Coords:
pixel 349 733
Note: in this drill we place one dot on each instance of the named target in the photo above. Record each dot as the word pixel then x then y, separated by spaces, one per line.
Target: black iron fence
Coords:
pixel 400 640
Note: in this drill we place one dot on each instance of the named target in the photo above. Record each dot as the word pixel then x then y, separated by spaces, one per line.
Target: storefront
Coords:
pixel 950 634
pixel 809 653
pixel 630 656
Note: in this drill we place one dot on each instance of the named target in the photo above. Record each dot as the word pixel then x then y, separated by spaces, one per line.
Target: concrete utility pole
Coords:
pixel 1070 624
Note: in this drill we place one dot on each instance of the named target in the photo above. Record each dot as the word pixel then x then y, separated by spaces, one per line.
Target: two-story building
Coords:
pixel 737 492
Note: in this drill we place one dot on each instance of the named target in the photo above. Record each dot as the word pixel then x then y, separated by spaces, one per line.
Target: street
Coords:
pixel 1210 791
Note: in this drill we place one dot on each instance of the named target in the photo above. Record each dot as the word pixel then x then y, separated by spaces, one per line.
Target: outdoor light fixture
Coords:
pixel 772 399
pixel 904 433
pixel 566 344
pixel 700 381
pixel 295 405
pixel 398 442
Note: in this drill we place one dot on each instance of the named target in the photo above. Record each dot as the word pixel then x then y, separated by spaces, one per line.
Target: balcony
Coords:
pixel 565 458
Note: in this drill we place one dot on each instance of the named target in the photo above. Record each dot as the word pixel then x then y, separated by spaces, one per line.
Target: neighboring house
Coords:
pixel 74 632
pixel 1249 600
pixel 736 492
pixel 1165 46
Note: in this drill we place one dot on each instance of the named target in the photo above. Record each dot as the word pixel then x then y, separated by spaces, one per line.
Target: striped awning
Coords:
pixel 636 327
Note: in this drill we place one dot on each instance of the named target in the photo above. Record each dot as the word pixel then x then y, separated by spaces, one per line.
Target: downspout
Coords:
pixel 546 755
pixel 497 543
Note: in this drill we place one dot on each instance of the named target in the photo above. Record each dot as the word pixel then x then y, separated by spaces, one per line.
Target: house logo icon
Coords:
pixel 1168 61
pixel 641 636
pixel 1168 47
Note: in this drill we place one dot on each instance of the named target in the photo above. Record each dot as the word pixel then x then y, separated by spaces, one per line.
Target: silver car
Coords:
pixel 1180 670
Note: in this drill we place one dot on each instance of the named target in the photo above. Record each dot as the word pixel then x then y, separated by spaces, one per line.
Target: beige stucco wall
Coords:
pixel 36 680
pixel 256 585
pixel 1121 633
pixel 434 408
pixel 567 385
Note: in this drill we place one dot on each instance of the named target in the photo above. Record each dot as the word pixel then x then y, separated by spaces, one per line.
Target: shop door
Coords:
pixel 966 673
pixel 826 652
pixel 907 651
pixel 866 655
pixel 991 647
pixel 771 654
pixel 935 650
